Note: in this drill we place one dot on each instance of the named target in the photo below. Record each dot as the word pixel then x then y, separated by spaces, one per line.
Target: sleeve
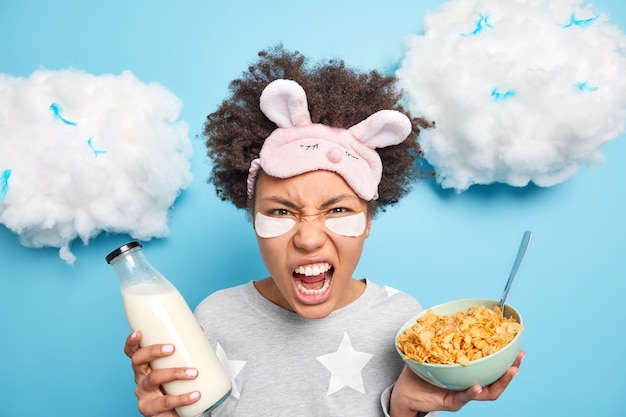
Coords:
pixel 385 399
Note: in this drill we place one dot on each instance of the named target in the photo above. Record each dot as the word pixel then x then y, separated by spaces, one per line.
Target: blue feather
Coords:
pixel 483 22
pixel 579 22
pixel 4 183
pixel 56 109
pixel 498 96
pixel 583 86
pixel 95 151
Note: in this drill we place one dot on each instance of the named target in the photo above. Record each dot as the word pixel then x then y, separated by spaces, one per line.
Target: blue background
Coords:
pixel 62 328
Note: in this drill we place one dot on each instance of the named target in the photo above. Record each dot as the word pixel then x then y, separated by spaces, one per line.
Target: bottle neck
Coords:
pixel 133 268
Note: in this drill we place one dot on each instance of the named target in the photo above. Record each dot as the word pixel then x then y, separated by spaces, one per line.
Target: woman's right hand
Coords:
pixel 153 401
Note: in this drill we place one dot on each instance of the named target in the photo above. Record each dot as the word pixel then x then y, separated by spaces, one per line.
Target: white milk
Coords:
pixel 163 316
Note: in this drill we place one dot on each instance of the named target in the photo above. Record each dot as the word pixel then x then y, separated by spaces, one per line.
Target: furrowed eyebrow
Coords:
pixel 287 203
pixel 338 199
pixel 325 205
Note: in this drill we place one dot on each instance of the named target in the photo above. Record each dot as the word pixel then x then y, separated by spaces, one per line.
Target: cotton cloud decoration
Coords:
pixel 82 154
pixel 521 91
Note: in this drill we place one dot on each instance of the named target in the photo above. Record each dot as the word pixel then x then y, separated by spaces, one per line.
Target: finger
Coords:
pixel 157 377
pixel 455 400
pixel 487 393
pixel 493 391
pixel 520 357
pixel 132 343
pixel 147 354
pixel 158 405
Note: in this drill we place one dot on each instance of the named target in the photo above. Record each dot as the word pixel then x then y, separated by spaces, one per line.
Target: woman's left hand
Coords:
pixel 411 394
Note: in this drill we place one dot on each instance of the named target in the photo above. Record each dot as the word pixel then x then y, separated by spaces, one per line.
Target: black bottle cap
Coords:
pixel 124 248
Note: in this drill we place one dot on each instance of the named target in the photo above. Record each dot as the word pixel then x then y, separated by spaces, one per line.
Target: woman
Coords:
pixel 312 165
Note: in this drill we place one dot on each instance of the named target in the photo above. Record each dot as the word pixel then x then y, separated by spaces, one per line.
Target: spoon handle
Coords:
pixel 518 260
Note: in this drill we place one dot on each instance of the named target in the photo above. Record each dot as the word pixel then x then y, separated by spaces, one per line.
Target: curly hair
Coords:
pixel 337 96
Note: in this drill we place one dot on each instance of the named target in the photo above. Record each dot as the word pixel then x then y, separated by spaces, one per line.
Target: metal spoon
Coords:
pixel 518 260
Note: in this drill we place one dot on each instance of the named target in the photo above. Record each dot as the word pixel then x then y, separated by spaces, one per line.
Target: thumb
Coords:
pixel 455 400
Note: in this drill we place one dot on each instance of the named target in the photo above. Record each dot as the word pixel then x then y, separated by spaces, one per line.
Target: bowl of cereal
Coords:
pixel 461 343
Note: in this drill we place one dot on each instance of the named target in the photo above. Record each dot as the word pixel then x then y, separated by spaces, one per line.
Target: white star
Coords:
pixel 345 367
pixel 391 291
pixel 232 368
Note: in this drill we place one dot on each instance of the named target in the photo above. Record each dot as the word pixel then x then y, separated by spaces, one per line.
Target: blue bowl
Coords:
pixel 482 371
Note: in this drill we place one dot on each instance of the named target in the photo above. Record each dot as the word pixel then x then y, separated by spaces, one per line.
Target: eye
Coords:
pixel 340 210
pixel 279 212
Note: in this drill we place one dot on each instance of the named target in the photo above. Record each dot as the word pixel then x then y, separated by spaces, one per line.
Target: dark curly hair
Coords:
pixel 337 96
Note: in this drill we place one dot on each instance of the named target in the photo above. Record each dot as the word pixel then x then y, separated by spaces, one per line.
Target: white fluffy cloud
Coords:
pixel 81 154
pixel 521 91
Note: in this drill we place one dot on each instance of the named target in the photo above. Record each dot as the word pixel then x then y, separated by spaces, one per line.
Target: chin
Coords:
pixel 313 312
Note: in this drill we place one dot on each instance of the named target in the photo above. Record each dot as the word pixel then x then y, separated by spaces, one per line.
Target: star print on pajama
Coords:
pixel 283 365
pixel 345 366
pixel 232 368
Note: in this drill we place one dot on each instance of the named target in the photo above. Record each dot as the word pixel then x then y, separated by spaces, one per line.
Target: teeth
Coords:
pixel 313 270
pixel 313 292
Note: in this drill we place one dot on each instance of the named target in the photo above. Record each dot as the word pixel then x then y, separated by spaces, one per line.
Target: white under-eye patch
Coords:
pixel 350 226
pixel 267 226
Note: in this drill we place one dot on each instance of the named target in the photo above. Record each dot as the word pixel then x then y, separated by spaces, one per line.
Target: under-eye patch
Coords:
pixel 350 226
pixel 267 226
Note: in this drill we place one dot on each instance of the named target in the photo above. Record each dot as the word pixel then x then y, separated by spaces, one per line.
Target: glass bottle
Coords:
pixel 155 307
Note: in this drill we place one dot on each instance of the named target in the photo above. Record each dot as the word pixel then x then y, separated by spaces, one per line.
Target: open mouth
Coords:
pixel 313 280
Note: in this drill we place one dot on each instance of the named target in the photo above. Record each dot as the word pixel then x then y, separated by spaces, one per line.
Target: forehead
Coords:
pixel 310 187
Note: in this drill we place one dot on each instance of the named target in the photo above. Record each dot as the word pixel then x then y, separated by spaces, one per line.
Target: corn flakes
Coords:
pixel 458 338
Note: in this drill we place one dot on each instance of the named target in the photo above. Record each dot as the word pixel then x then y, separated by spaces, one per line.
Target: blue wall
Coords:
pixel 62 328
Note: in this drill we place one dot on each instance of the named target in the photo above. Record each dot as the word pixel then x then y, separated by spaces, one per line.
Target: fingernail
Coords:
pixel 167 348
pixel 133 336
pixel 191 372
pixel 194 395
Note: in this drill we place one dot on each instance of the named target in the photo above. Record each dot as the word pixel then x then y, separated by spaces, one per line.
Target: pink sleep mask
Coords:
pixel 298 146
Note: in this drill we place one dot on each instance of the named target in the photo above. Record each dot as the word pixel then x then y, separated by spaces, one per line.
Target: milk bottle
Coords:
pixel 154 306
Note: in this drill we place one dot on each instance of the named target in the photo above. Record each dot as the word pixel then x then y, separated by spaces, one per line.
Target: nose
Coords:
pixel 309 235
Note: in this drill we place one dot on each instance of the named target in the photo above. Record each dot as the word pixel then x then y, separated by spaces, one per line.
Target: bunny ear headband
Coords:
pixel 298 146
